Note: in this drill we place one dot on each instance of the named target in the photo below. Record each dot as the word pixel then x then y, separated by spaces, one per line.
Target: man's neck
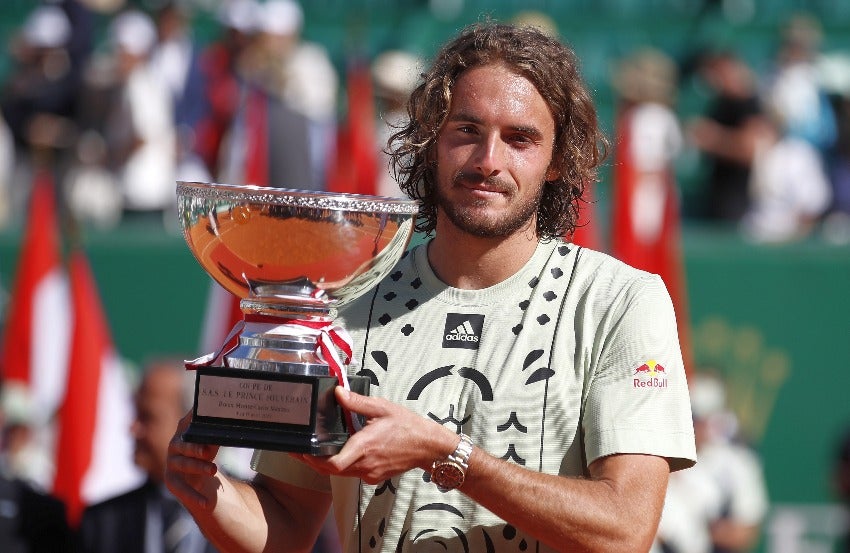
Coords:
pixel 472 263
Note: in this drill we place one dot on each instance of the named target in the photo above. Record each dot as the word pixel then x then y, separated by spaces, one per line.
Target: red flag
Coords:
pixel 355 166
pixel 646 226
pixel 37 327
pixel 94 458
pixel 257 152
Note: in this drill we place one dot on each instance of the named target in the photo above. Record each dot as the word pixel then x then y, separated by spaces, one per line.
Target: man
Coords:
pixel 148 519
pixel 31 520
pixel 729 134
pixel 559 367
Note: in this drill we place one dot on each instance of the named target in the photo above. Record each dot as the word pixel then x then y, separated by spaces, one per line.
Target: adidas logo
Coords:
pixel 463 333
pixel 462 330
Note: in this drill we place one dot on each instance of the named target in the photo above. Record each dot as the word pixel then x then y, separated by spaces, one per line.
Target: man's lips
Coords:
pixel 477 184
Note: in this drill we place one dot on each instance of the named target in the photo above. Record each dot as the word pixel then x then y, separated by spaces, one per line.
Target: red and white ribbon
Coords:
pixel 331 340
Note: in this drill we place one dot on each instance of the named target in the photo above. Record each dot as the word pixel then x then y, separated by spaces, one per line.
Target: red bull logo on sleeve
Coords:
pixel 650 375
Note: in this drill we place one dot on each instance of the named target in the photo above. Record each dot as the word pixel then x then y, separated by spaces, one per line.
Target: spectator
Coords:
pixel 718 505
pixel 729 134
pixel 395 74
pixel 649 138
pixel 148 519
pixel 239 20
pixel 834 71
pixel 841 475
pixel 7 167
pixel 733 465
pixel 793 92
pixel 789 188
pixel 140 131
pixel 38 97
pixel 288 106
pixel 176 59
pixel 24 453
pixel 31 520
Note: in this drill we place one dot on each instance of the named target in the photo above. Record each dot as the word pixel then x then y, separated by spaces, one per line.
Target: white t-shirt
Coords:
pixel 147 178
pixel 573 358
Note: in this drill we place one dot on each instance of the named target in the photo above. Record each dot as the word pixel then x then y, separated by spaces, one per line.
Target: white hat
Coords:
pixel 134 32
pixel 47 27
pixel 16 403
pixel 396 72
pixel 242 15
pixel 281 17
pixel 708 396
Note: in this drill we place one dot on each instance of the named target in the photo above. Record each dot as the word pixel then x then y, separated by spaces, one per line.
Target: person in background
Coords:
pixel 793 92
pixel 734 467
pixel 140 131
pixel 176 60
pixel 395 74
pixel 719 505
pixel 38 99
pixel 31 520
pixel 790 190
pixel 220 61
pixel 841 481
pixel 148 519
pixel 649 138
pixel 729 134
pixel 309 81
pixel 24 446
pixel 285 122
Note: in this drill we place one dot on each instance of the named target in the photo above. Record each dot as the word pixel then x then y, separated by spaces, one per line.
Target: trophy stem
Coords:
pixel 282 309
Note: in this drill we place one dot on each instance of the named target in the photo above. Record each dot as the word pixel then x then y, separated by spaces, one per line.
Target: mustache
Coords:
pixel 476 179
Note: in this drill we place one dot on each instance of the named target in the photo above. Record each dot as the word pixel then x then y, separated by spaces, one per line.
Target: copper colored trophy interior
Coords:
pixel 254 243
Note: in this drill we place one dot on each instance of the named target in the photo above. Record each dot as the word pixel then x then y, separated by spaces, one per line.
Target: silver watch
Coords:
pixel 450 472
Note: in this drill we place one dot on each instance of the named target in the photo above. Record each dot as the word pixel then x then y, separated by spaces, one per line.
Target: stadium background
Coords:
pixel 773 318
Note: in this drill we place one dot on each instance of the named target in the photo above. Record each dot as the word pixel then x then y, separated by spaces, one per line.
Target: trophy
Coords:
pixel 293 258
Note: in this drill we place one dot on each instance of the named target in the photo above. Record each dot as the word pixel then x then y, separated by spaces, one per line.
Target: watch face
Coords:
pixel 448 475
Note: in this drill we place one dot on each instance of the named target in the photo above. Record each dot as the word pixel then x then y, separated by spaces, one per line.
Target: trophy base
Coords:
pixel 268 410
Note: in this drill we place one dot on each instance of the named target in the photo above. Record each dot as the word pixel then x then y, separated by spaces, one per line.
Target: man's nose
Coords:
pixel 488 155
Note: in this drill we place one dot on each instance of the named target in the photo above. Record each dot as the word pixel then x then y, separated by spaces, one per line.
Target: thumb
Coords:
pixel 357 403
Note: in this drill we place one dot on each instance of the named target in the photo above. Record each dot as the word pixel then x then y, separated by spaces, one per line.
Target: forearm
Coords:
pixel 248 518
pixel 235 521
pixel 570 514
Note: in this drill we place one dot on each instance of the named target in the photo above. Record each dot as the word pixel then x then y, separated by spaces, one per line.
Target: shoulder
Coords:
pixel 599 272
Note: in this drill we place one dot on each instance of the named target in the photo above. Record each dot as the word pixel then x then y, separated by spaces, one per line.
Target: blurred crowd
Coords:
pixel 121 103
pixel 117 120
pixel 772 141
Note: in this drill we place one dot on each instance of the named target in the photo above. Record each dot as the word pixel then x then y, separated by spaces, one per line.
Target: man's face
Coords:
pixel 158 409
pixel 493 153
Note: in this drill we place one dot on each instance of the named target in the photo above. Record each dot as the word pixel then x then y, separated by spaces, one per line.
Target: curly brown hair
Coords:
pixel 552 67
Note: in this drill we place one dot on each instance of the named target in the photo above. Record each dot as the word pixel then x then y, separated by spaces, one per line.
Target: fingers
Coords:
pixel 369 406
pixel 189 466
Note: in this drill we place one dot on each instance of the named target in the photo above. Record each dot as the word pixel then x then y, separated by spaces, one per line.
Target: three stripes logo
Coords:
pixel 462 330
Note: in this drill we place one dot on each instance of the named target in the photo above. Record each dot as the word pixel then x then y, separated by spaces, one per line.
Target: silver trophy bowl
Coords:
pixel 287 254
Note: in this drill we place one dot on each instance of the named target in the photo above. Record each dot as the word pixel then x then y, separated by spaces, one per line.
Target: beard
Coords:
pixel 471 218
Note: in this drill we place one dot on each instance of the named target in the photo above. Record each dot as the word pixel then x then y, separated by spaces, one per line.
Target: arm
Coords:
pixel 734 535
pixel 738 145
pixel 616 509
pixel 257 516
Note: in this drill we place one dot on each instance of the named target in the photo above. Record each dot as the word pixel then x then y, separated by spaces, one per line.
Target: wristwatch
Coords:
pixel 450 472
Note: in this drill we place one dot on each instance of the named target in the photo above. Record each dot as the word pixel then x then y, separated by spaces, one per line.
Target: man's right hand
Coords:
pixel 190 471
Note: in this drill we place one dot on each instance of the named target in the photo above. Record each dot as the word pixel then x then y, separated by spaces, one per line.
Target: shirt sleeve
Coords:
pixel 637 396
